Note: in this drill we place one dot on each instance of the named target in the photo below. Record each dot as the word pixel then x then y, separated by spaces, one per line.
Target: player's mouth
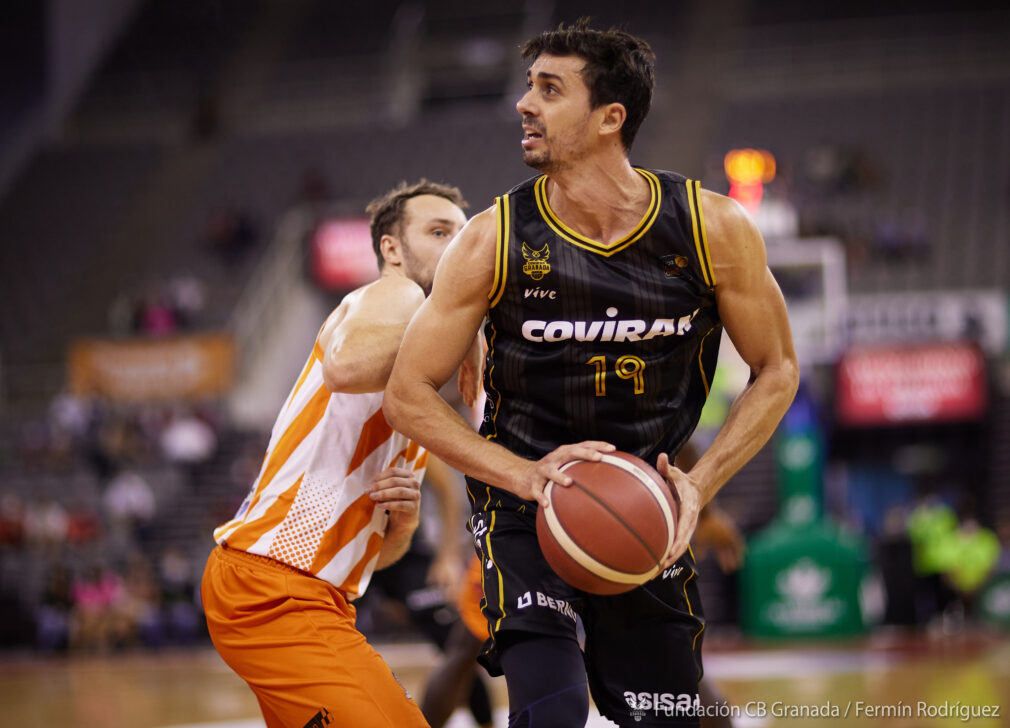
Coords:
pixel 530 136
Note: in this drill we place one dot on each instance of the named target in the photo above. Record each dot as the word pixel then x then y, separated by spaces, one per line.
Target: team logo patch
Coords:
pixel 674 265
pixel 536 265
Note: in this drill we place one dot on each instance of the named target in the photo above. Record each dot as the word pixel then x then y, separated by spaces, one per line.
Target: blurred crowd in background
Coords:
pixel 181 207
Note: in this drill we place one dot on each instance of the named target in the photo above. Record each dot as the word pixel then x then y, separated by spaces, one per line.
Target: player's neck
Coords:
pixel 603 201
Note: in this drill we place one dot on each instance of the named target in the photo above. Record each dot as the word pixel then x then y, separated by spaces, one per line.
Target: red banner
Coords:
pixel 943 382
pixel 342 255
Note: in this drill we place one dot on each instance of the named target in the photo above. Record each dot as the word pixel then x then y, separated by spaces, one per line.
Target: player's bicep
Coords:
pixel 750 302
pixel 756 322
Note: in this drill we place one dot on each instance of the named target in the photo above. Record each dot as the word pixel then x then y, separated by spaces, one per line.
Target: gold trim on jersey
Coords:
pixel 493 434
pixel 687 599
pixel 693 188
pixel 501 586
pixel 594 246
pixel 501 250
pixel 701 364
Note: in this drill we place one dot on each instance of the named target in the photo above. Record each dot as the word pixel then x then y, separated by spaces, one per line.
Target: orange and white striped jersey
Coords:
pixel 308 507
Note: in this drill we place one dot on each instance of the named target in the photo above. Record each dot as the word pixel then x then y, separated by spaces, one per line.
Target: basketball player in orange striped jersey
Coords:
pixel 337 497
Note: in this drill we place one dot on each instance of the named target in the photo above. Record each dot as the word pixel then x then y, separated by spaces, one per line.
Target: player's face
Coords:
pixel 430 223
pixel 556 113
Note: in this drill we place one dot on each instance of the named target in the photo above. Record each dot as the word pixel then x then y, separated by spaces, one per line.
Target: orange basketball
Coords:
pixel 608 531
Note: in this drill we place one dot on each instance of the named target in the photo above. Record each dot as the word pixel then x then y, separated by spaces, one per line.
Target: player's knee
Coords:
pixel 567 708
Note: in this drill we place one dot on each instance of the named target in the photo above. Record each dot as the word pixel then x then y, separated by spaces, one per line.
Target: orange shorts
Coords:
pixel 292 638
pixel 470 595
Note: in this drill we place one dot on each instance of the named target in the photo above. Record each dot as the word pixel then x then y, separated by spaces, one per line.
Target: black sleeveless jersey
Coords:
pixel 588 341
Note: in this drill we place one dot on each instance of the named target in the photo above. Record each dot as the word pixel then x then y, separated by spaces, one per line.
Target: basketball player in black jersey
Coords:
pixel 605 288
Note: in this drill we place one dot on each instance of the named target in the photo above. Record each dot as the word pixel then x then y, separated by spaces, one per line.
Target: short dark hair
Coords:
pixel 387 212
pixel 619 67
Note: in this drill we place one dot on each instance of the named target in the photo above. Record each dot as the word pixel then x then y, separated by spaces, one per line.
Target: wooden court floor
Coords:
pixel 883 681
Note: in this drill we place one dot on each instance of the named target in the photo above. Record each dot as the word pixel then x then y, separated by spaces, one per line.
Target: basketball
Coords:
pixel 608 531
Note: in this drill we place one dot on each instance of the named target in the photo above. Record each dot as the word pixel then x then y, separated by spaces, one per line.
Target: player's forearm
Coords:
pixel 421 414
pixel 394 545
pixel 752 420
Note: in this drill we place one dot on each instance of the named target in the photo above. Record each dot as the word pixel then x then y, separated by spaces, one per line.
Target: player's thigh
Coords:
pixel 292 639
pixel 326 667
pixel 522 594
pixel 643 655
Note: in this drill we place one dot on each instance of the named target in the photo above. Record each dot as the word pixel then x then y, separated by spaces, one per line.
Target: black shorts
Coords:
pixel 642 648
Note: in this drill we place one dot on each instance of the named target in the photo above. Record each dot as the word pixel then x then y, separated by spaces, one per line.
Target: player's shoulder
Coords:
pixel 725 218
pixel 391 287
pixel 480 231
pixel 733 239
pixel 388 293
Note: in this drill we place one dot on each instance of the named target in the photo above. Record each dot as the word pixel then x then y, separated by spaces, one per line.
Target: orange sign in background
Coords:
pixel 135 370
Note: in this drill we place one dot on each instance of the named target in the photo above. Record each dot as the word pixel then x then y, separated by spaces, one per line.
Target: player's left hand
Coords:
pixel 398 490
pixel 689 495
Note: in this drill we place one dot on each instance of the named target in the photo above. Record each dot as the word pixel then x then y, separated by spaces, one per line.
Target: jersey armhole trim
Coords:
pixel 693 188
pixel 502 217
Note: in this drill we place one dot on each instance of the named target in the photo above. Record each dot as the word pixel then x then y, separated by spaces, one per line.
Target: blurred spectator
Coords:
pixel 69 417
pixel 45 524
pixel 52 616
pixel 130 505
pixel 932 526
pixel 12 519
pixel 894 556
pixel 188 441
pixel 976 554
pixel 83 526
pixel 157 317
pixel 142 604
pixel 231 234
pixel 187 296
pixel 98 619
pixel 178 597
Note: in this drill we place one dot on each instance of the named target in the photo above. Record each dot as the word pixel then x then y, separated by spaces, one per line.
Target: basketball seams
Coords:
pixel 618 518
pixel 646 480
pixel 586 560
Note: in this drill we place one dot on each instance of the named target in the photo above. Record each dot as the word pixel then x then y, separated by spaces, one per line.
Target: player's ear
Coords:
pixel 392 251
pixel 612 118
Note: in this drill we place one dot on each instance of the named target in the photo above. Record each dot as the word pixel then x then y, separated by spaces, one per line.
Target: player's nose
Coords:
pixel 523 105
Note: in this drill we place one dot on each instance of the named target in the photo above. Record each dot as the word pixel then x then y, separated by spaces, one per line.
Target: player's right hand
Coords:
pixel 398 490
pixel 689 504
pixel 535 476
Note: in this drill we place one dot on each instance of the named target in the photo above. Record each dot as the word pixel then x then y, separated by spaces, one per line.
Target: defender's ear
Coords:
pixel 391 250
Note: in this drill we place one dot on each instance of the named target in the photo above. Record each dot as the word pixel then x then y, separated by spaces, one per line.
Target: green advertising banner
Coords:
pixel 803 581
